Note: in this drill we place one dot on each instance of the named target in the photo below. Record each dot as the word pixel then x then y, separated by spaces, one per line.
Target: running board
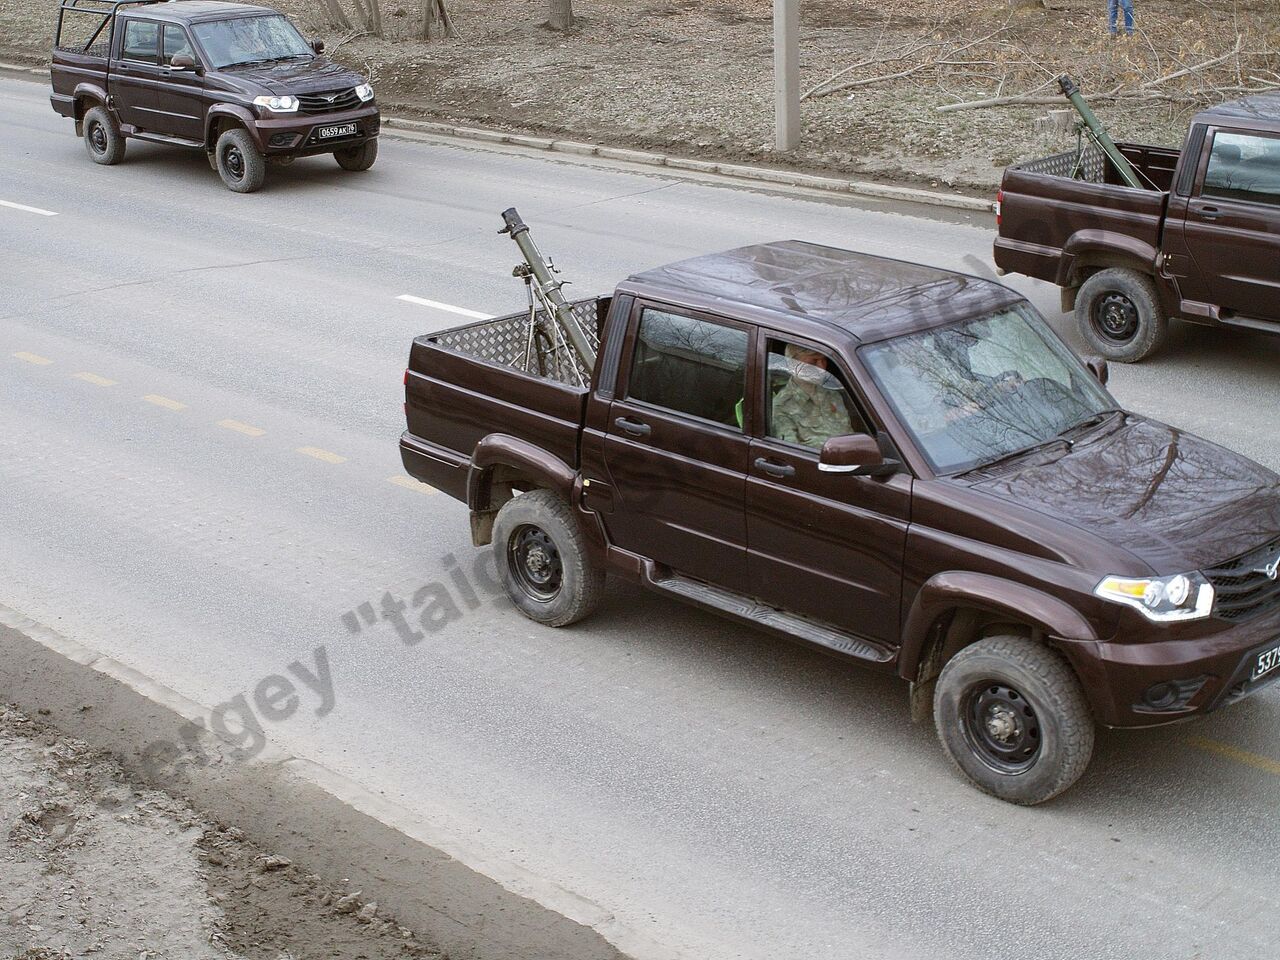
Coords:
pixel 757 614
pixel 1249 323
pixel 164 138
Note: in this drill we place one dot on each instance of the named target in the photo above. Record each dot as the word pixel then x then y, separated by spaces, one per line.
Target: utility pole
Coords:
pixel 786 74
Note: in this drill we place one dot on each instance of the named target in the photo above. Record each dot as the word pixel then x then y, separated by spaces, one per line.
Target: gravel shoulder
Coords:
pixel 695 78
pixel 98 866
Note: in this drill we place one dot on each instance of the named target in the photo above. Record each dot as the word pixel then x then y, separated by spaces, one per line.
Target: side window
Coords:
pixel 141 41
pixel 175 42
pixel 807 401
pixel 692 366
pixel 1243 166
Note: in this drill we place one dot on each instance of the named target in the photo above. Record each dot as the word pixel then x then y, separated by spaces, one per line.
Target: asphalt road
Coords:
pixel 199 404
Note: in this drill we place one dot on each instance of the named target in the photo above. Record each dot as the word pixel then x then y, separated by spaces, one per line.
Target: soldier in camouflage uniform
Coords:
pixel 807 411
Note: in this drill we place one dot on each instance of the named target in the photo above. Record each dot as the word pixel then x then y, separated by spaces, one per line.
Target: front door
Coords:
pixel 675 449
pixel 179 93
pixel 829 546
pixel 1232 227
pixel 135 73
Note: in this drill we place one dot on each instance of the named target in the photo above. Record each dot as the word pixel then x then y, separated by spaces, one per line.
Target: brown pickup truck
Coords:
pixel 1202 244
pixel 235 80
pixel 901 466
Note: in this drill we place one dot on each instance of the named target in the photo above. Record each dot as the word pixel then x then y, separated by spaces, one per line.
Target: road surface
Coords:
pixel 199 404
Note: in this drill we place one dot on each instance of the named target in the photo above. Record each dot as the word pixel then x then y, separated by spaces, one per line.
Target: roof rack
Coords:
pixel 106 9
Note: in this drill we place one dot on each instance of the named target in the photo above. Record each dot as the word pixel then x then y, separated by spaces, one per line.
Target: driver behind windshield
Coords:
pixel 809 409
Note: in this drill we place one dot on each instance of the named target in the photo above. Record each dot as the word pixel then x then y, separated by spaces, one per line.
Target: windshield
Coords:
pixel 983 389
pixel 250 40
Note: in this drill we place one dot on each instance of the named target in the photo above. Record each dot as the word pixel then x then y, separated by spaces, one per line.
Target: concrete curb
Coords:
pixel 468 902
pixel 740 172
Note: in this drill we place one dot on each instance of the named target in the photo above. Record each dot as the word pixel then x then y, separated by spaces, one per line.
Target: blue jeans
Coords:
pixel 1113 11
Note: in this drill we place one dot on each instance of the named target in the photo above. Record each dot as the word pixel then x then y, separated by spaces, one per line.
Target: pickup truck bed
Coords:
pixel 463 380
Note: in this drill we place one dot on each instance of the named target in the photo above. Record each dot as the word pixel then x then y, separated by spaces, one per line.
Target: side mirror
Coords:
pixel 182 61
pixel 858 454
pixel 1098 367
pixel 317 45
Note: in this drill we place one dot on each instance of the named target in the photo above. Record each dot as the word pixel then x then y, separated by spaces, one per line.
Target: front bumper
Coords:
pixel 297 134
pixel 1208 664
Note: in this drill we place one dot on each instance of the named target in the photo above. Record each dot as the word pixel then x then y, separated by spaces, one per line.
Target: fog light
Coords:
pixel 1168 695
pixel 283 139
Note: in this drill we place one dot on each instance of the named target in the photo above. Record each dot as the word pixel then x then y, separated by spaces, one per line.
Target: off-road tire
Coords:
pixel 102 137
pixel 358 158
pixel 240 165
pixel 581 581
pixel 1138 326
pixel 1047 686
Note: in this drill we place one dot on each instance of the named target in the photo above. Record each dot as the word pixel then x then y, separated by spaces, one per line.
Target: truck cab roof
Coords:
pixel 194 11
pixel 1260 109
pixel 789 282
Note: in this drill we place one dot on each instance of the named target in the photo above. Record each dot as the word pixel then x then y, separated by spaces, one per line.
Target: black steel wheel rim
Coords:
pixel 1001 726
pixel 535 562
pixel 1115 317
pixel 97 137
pixel 234 161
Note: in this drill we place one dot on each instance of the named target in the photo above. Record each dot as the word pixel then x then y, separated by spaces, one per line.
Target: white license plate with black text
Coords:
pixel 338 130
pixel 1267 661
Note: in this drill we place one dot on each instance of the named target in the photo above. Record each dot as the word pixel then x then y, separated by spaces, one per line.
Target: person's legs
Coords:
pixel 1112 12
pixel 1128 16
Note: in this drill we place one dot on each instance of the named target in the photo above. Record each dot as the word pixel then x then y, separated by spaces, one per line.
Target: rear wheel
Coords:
pixel 102 137
pixel 1013 719
pixel 543 560
pixel 1118 313
pixel 241 166
pixel 357 158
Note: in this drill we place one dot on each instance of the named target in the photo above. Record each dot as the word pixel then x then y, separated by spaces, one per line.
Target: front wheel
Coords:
pixel 102 137
pixel 1013 719
pixel 1118 313
pixel 241 166
pixel 543 559
pixel 358 158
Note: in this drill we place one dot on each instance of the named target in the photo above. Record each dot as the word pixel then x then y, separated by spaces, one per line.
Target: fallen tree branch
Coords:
pixel 1188 71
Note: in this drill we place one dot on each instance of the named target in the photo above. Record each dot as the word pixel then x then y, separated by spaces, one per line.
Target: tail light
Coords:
pixel 999 207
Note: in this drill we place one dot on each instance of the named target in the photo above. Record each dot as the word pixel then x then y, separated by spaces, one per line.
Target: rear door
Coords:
pixel 179 93
pixel 1232 228
pixel 135 72
pixel 675 449
pixel 829 546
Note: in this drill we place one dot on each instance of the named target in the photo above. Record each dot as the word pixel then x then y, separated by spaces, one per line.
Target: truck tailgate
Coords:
pixel 466 383
pixel 1043 208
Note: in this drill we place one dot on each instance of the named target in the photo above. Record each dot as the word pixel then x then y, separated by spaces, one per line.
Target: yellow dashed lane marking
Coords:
pixel 96 380
pixel 165 402
pixel 1255 760
pixel 239 427
pixel 411 484
pixel 319 454
pixel 33 358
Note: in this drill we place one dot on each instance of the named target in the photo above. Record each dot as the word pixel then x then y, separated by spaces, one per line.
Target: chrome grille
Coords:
pixel 1242 587
pixel 328 101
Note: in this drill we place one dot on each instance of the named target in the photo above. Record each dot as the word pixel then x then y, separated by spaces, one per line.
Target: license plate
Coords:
pixel 1267 661
pixel 338 130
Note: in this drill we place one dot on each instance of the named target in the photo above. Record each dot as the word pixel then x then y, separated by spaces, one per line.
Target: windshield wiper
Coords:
pixel 1015 455
pixel 1087 423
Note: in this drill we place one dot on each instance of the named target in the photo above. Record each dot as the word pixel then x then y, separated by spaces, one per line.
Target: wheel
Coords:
pixel 1013 720
pixel 543 560
pixel 102 137
pixel 240 165
pixel 357 158
pixel 1119 315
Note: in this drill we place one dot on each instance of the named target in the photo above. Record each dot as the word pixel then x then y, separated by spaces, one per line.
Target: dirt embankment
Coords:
pixel 694 77
pixel 96 867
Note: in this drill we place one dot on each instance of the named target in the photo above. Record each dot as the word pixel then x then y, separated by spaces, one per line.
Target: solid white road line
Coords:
pixel 23 206
pixel 448 307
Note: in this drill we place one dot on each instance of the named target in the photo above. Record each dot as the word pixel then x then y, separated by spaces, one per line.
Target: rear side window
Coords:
pixel 141 41
pixel 1244 166
pixel 692 366
pixel 175 42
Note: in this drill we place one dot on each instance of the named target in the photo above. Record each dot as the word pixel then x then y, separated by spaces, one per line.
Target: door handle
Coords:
pixel 633 427
pixel 775 469
pixel 1210 213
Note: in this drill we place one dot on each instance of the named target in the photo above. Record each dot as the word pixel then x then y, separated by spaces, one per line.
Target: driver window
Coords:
pixel 807 400
pixel 175 42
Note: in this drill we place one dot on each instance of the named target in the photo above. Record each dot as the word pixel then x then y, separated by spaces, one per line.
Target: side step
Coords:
pixel 163 138
pixel 1249 323
pixel 757 614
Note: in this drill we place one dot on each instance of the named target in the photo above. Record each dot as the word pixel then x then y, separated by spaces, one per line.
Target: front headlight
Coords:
pixel 365 92
pixel 1184 596
pixel 277 104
